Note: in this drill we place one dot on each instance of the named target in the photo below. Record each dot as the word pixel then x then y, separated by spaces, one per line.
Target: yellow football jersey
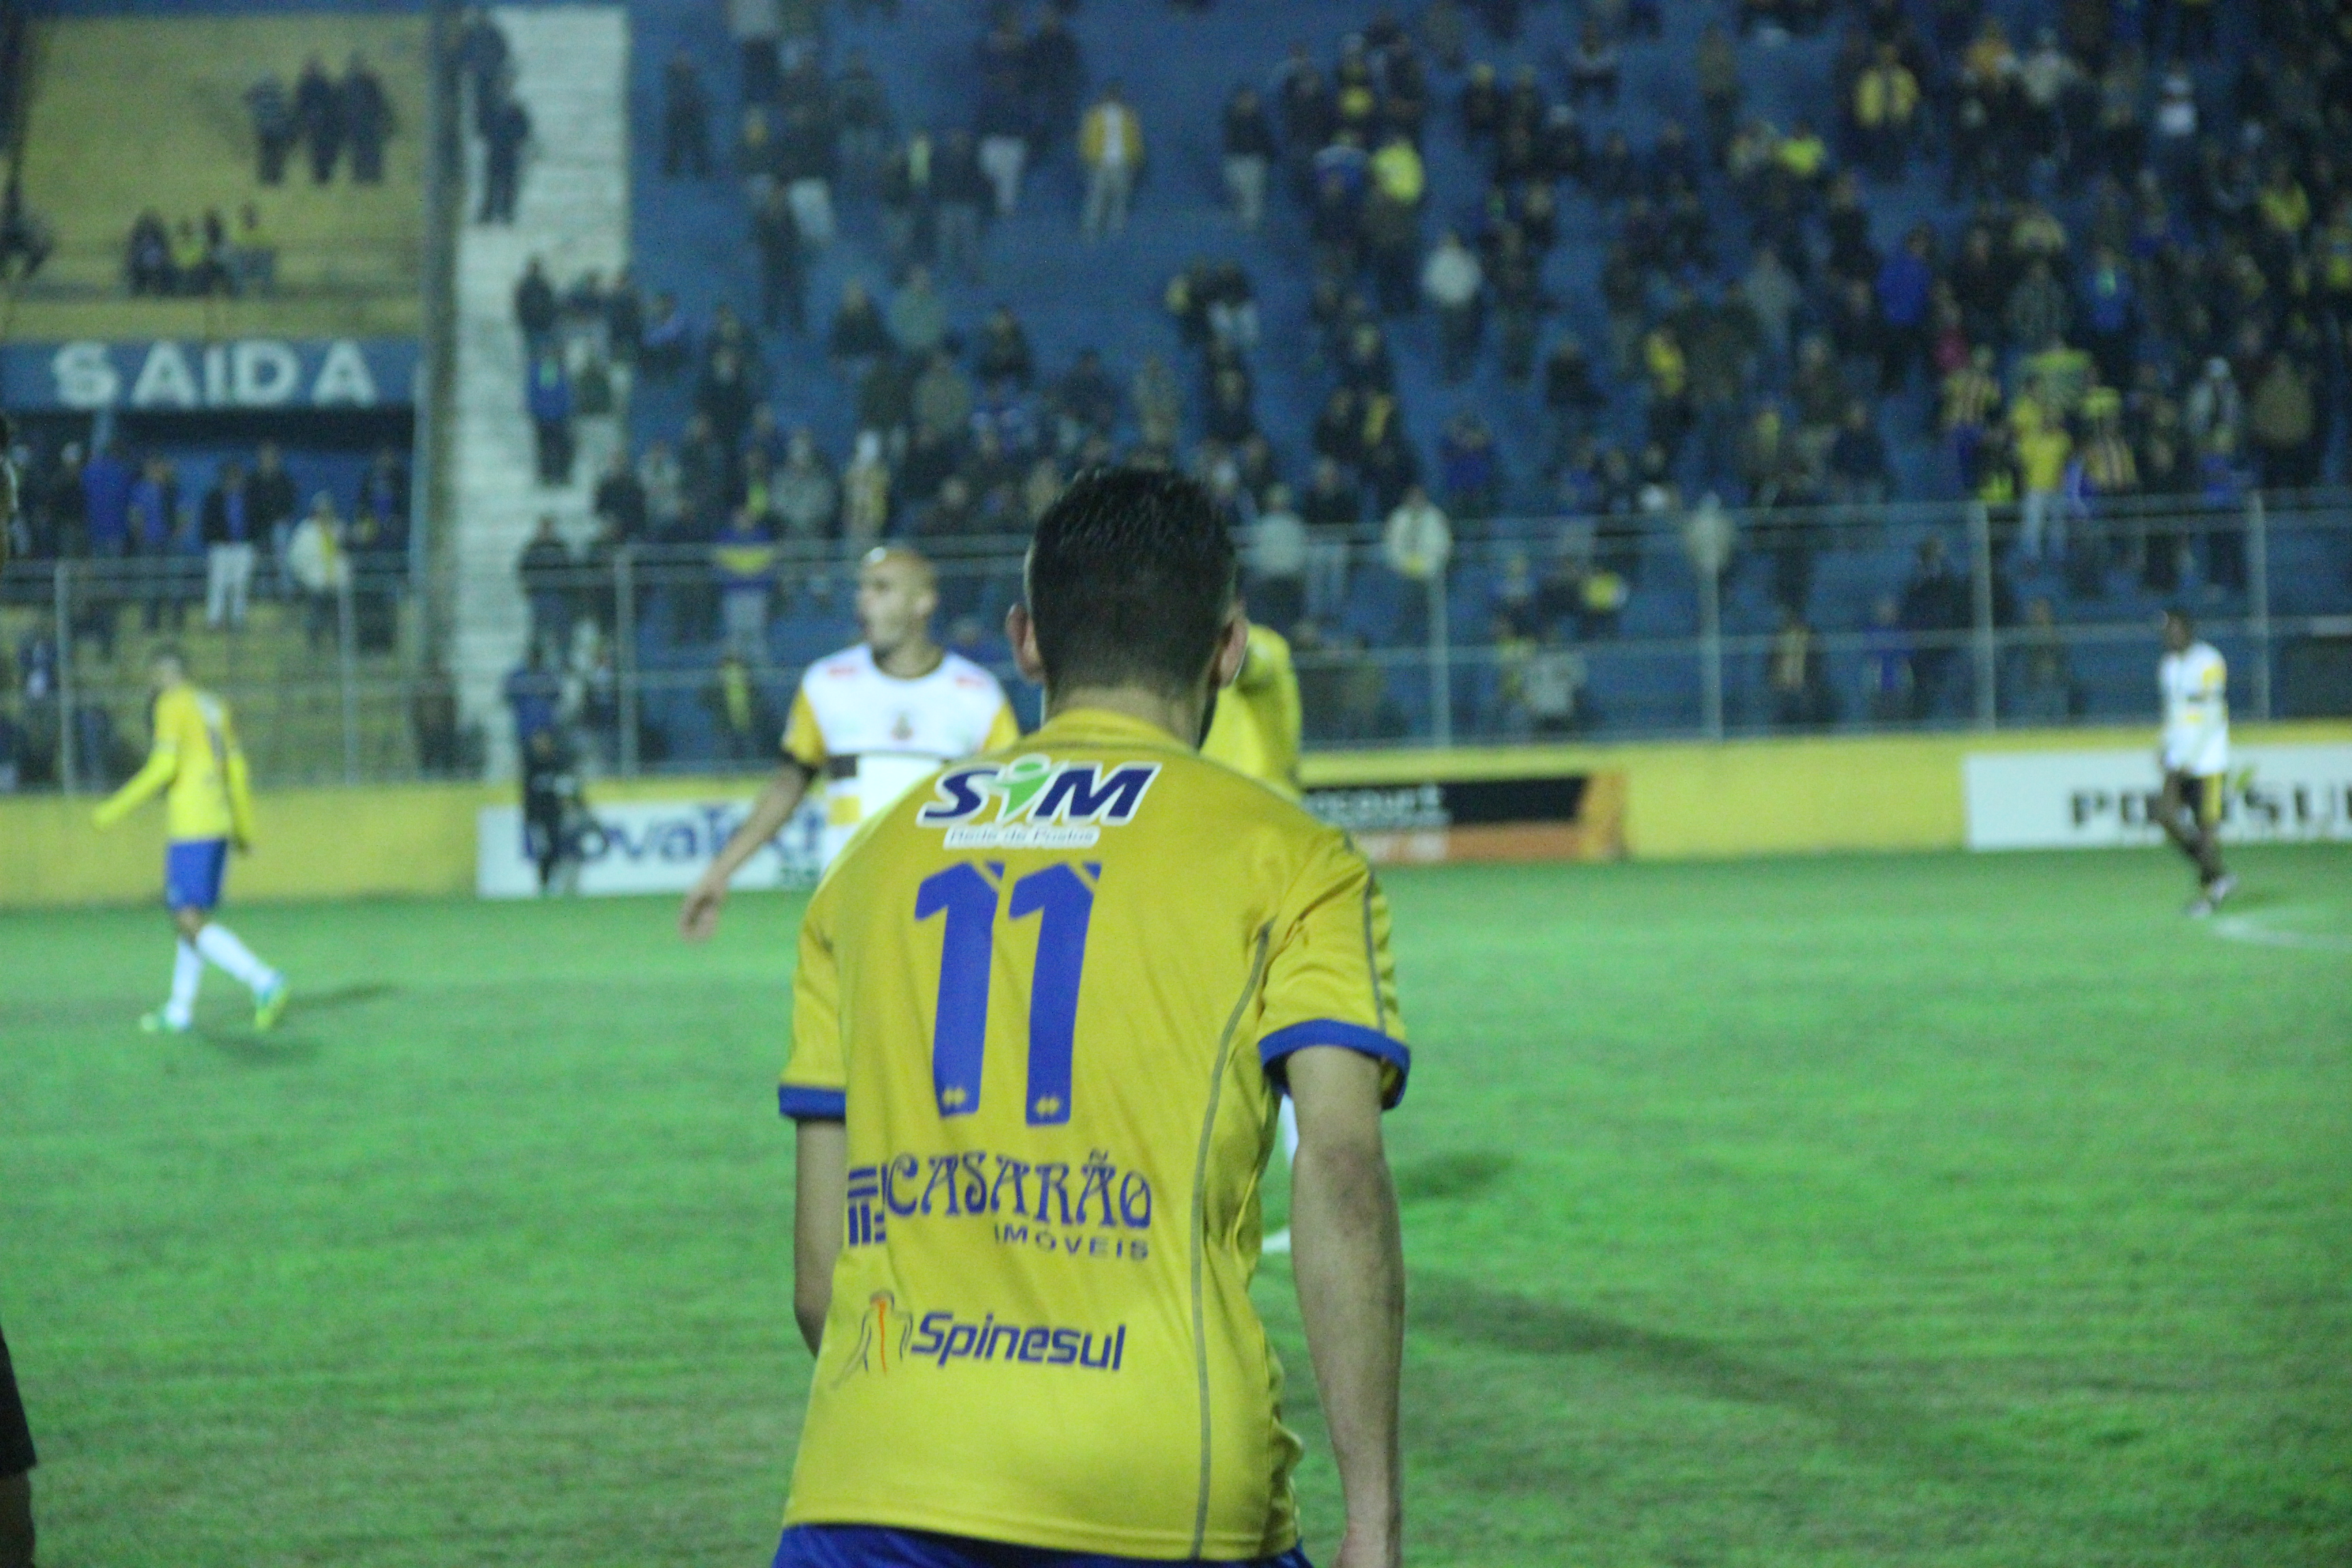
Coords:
pixel 1051 996
pixel 196 759
pixel 1256 727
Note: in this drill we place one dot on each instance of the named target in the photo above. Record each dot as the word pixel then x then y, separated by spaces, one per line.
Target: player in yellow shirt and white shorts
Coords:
pixel 1044 1010
pixel 196 765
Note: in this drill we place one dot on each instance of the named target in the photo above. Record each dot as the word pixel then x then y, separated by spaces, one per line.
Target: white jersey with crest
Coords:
pixel 871 736
pixel 2196 686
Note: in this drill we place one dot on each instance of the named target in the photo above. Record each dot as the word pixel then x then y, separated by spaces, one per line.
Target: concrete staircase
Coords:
pixel 572 70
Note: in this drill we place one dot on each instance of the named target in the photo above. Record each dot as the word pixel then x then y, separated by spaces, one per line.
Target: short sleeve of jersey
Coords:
pixel 1003 729
pixel 804 743
pixel 1328 979
pixel 816 1077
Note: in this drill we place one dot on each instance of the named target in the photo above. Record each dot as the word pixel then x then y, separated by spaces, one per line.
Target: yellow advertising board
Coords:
pixel 1668 801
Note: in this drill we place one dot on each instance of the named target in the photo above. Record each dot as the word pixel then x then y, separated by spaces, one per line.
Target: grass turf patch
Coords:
pixel 1940 1210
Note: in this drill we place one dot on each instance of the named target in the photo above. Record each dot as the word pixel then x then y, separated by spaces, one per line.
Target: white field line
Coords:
pixel 2247 929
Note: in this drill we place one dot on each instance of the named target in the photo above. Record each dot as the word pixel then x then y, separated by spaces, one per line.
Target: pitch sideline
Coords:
pixel 2247 929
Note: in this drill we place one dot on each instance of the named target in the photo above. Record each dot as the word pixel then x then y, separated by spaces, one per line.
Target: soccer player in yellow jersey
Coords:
pixel 196 766
pixel 1255 728
pixel 1044 1008
pixel 870 720
pixel 1255 725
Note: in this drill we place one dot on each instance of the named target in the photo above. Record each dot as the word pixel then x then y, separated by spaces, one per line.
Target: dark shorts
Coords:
pixel 2201 793
pixel 192 873
pixel 872 1546
pixel 16 1454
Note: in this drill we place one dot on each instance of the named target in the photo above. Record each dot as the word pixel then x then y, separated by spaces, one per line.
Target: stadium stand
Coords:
pixel 1583 369
pixel 217 295
pixel 1664 197
pixel 130 116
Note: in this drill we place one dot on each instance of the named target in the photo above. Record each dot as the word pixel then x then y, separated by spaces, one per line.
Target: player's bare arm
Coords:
pixel 820 1192
pixel 1347 1256
pixel 698 917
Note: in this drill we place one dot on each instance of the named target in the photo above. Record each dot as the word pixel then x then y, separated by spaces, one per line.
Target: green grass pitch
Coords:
pixel 1936 1210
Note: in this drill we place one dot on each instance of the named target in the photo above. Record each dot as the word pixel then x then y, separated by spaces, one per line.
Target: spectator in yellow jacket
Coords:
pixel 1398 173
pixel 1110 145
pixel 1886 111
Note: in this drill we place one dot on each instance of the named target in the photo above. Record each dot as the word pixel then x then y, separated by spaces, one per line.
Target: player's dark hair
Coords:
pixel 2175 613
pixel 1129 580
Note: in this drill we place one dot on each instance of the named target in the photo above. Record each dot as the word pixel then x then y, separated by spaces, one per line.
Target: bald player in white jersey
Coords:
pixel 871 721
pixel 2195 755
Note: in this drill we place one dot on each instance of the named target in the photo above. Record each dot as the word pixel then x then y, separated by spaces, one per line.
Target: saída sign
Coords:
pixel 167 375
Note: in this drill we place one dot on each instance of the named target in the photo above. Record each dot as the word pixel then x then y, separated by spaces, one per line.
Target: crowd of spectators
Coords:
pixel 2139 286
pixel 201 257
pixel 2124 269
pixel 330 122
pixel 149 542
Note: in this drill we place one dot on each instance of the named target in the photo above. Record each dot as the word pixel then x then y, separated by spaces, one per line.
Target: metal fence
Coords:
pixel 326 684
pixel 1698 624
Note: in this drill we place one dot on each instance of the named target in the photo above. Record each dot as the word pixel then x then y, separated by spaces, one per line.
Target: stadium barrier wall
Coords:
pixel 1680 801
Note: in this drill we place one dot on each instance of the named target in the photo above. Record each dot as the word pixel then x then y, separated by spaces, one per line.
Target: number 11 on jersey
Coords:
pixel 1062 897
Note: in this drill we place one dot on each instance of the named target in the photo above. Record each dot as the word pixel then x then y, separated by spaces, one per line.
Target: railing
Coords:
pixel 96 269
pixel 325 683
pixel 1610 628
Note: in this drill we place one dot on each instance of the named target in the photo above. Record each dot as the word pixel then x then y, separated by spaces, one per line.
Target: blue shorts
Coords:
pixel 871 1546
pixel 192 873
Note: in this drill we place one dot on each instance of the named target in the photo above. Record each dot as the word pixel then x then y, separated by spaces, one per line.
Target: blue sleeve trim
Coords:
pixel 804 1104
pixel 1276 1047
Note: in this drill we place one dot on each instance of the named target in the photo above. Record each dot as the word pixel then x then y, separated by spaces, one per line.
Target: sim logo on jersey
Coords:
pixel 1039 803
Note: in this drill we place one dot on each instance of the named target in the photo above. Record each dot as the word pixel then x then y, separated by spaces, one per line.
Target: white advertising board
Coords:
pixel 2069 800
pixel 646 846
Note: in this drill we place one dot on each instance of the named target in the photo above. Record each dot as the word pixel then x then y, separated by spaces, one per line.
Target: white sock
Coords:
pixel 219 944
pixel 187 973
pixel 1289 1132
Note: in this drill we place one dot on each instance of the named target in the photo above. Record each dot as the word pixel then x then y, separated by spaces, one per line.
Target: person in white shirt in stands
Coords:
pixel 1277 562
pixel 1416 543
pixel 2195 755
pixel 320 570
pixel 870 720
pixel 1454 284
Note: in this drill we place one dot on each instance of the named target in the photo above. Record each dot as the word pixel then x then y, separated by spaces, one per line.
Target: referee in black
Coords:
pixel 16 1458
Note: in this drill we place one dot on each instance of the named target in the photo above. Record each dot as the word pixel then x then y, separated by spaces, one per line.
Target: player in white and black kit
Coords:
pixel 2195 755
pixel 870 720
